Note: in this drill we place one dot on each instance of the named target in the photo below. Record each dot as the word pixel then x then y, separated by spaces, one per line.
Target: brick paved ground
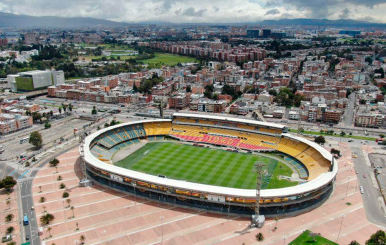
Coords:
pixel 109 217
pixel 11 208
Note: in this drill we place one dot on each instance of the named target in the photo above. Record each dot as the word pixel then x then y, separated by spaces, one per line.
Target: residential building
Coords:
pixel 179 101
pixel 10 123
pixel 369 120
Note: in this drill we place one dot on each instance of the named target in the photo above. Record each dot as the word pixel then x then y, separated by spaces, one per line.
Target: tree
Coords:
pixel 8 183
pixel 62 186
pixel 285 97
pixel 135 89
pixel 47 124
pixel 36 139
pixel 42 199
pixel 369 60
pixel 11 243
pixel 66 194
pixel 94 110
pixel 188 89
pixel 46 218
pixel 298 99
pixel 49 230
pixel 54 162
pixel 380 71
pixel 8 202
pixel 77 226
pixel 272 92
pixel 382 136
pixel 342 134
pixel 60 110
pixel 10 229
pixel 9 217
pixel 259 237
pixel 377 238
pixel 276 220
pixel 320 140
pixel 82 239
pixel 72 210
pixel 335 151
pixel 68 201
pixel 70 107
pixel 59 178
pixel 354 243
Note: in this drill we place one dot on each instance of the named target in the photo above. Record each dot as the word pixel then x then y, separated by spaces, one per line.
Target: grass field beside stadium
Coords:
pixel 306 238
pixel 206 166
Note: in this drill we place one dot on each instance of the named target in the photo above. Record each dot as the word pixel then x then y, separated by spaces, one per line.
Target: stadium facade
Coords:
pixel 315 164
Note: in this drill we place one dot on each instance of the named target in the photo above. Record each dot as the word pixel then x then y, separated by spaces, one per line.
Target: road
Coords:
pixel 348 116
pixel 25 191
pixel 372 207
pixel 13 148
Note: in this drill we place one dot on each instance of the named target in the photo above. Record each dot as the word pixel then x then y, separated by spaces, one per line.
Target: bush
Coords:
pixel 66 194
pixel 62 186
pixel 42 199
pixel 59 178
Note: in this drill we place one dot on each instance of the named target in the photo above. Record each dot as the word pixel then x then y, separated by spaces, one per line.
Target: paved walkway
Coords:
pixel 105 216
pixel 10 208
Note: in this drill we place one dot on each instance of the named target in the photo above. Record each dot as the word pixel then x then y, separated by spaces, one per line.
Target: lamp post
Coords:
pixel 162 229
pixel 340 228
pixel 135 193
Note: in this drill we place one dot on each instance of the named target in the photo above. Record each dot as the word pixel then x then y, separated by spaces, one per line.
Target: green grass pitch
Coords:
pixel 205 166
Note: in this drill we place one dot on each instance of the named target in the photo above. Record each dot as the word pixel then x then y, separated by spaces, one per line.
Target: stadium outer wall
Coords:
pixel 275 202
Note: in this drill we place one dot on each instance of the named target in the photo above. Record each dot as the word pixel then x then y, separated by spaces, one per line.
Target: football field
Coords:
pixel 206 166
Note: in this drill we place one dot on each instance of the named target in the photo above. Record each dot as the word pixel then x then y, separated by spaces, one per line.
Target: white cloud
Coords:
pixel 219 11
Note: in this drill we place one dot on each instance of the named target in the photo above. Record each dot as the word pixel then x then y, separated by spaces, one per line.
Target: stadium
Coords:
pixel 208 162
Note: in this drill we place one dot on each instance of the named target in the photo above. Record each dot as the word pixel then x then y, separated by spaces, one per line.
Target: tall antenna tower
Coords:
pixel 257 219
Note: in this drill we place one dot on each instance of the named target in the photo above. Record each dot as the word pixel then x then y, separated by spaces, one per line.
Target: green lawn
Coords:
pixel 205 165
pixel 169 59
pixel 305 238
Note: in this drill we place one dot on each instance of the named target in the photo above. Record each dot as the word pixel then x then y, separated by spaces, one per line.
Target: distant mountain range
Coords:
pixel 322 22
pixel 26 21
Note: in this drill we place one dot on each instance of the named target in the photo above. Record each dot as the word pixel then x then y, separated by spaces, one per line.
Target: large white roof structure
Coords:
pixel 315 184
pixel 230 119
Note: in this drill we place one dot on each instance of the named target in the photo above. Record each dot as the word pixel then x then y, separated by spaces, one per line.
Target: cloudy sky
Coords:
pixel 218 11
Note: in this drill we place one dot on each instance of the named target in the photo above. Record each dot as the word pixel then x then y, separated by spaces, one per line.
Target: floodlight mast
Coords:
pixel 259 169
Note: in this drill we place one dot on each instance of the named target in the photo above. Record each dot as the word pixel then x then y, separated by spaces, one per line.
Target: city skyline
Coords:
pixel 187 11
